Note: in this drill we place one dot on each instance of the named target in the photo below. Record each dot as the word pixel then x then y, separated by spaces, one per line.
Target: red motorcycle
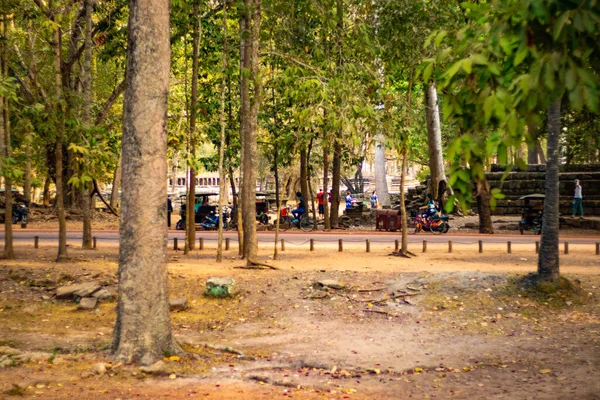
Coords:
pixel 435 224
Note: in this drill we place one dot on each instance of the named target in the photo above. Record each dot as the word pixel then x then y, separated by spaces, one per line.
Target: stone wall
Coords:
pixel 519 183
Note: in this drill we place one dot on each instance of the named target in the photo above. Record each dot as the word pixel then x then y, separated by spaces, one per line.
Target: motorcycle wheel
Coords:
pixel 438 229
pixel 446 227
pixel 15 219
pixel 179 225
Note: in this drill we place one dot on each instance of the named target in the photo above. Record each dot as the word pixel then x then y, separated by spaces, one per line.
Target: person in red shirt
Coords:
pixel 320 201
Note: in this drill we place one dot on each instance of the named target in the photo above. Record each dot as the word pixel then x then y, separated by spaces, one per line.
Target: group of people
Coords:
pixel 350 201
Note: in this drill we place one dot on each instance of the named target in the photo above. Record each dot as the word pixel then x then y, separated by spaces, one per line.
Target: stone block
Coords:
pixel 87 303
pixel 178 304
pixel 79 290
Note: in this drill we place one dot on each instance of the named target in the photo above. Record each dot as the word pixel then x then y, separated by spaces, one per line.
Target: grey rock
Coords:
pixel 158 368
pixel 178 304
pixel 220 287
pixel 87 303
pixel 103 295
pixel 78 290
pixel 331 283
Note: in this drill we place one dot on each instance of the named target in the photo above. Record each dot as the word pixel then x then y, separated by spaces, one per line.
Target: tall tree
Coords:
pixel 5 146
pixel 251 16
pixel 142 331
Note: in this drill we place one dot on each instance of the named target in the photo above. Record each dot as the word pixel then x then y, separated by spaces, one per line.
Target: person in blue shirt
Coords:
pixel 349 200
pixel 301 209
pixel 430 209
pixel 374 200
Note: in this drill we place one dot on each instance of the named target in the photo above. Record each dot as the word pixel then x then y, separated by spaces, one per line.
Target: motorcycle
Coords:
pixel 435 224
pixel 19 214
pixel 211 221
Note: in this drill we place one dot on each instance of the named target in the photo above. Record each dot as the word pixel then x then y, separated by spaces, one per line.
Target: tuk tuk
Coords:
pixel 204 204
pixel 532 213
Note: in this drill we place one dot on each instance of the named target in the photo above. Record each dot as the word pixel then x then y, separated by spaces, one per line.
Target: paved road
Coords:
pixel 27 235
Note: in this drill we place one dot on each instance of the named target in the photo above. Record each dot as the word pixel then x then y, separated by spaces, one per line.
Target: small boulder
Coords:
pixel 103 295
pixel 87 303
pixel 99 369
pixel 331 283
pixel 78 290
pixel 158 368
pixel 178 304
pixel 220 287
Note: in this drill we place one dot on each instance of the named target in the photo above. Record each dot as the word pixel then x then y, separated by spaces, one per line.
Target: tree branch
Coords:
pixel 110 101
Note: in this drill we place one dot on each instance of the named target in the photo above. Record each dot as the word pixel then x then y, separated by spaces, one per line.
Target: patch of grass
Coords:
pixel 559 294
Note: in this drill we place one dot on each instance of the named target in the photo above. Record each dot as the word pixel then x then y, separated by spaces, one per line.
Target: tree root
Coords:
pixel 400 254
pixel 251 264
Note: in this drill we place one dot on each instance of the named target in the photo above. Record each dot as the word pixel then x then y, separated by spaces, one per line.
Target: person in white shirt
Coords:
pixel 578 200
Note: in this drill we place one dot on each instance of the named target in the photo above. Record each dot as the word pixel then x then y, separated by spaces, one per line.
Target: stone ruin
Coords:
pixel 520 183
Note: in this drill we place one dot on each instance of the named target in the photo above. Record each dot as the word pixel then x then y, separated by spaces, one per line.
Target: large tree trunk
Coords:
pixel 483 207
pixel 191 198
pixel 143 332
pixel 60 126
pixel 5 138
pixel 86 239
pixel 337 144
pixel 380 172
pixel 326 184
pixel 434 133
pixel 548 260
pixel 250 127
pixel 532 142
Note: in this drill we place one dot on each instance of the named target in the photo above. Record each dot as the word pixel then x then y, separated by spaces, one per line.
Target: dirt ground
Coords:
pixel 437 325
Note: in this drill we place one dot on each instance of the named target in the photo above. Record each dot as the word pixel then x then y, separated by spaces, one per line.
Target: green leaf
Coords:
pixel 559 25
pixel 488 107
pixel 466 65
pixel 479 59
pixel 464 175
pixel 571 78
pixel 520 56
pixel 449 206
pixel 427 72
pixel 439 37
pixel 502 154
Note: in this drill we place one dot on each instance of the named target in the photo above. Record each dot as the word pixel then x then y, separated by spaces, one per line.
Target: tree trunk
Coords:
pixel 483 207
pixel 191 214
pixel 60 126
pixel 86 239
pixel 27 192
pixel 434 133
pixel 222 176
pixel 326 184
pixel 142 332
pixel 335 183
pixel 309 181
pixel 337 144
pixel 404 250
pixel 304 173
pixel 46 192
pixel 5 138
pixel 540 151
pixel 548 260
pixel 380 172
pixel 114 194
pixel 250 127
pixel 277 196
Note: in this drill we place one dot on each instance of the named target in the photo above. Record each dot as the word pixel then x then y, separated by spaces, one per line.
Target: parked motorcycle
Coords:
pixel 211 221
pixel 19 213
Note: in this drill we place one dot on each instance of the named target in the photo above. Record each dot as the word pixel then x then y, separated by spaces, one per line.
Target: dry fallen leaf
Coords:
pixel 545 371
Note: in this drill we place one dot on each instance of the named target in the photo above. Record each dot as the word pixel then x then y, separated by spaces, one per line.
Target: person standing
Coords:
pixel 169 211
pixel 320 202
pixel 374 200
pixel 578 200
